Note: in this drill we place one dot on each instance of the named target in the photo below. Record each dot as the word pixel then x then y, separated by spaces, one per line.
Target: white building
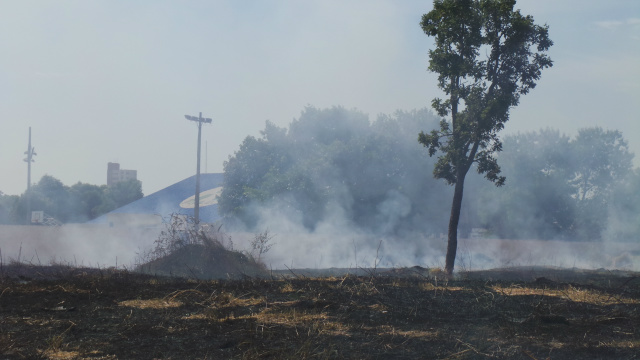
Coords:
pixel 116 175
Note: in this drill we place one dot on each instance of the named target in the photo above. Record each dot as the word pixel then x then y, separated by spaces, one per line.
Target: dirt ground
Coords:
pixel 411 313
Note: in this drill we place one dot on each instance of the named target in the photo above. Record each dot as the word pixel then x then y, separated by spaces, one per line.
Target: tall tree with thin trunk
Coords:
pixel 486 56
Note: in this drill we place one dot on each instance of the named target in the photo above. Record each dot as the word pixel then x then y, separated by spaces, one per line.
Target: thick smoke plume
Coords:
pixel 75 245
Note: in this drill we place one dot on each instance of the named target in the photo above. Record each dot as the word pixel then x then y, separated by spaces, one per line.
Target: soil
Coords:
pixel 204 263
pixel 59 312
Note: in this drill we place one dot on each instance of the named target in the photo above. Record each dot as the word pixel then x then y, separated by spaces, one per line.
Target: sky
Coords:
pixel 110 81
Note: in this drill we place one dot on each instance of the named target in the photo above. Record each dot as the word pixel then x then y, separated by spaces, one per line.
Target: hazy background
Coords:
pixel 111 81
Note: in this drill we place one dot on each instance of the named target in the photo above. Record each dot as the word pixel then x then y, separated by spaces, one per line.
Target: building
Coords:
pixel 116 175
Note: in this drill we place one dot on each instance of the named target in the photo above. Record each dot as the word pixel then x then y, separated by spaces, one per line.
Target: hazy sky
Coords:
pixel 111 81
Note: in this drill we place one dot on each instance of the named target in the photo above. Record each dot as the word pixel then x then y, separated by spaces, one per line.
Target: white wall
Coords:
pixel 75 244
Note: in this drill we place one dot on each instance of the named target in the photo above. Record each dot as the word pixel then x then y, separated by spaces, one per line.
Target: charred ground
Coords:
pixel 534 313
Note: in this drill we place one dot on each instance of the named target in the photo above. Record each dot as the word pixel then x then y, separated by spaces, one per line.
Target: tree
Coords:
pixel 330 159
pixel 536 202
pixel 601 162
pixel 78 203
pixel 486 56
pixel 579 188
pixel 302 167
pixel 120 194
pixel 86 200
pixel 624 209
pixel 7 203
pixel 51 196
pixel 246 172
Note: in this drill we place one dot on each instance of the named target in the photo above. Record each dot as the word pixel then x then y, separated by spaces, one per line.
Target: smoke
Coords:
pixel 336 190
pixel 378 204
pixel 340 191
pixel 336 242
pixel 394 207
pixel 75 245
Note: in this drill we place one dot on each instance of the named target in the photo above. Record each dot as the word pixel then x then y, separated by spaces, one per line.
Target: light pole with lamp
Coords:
pixel 199 119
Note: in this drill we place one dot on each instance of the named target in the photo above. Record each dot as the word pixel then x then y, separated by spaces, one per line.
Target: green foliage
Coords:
pixel 7 204
pixel 87 199
pixel 537 202
pixel 332 158
pixel 601 164
pixel 487 55
pixel 602 159
pixel 120 194
pixel 51 196
pixel 562 188
pixel 78 203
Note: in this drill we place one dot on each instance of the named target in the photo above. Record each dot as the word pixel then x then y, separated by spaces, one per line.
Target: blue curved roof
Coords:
pixel 167 201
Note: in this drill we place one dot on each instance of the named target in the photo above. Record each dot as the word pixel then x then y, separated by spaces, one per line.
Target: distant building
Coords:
pixel 115 175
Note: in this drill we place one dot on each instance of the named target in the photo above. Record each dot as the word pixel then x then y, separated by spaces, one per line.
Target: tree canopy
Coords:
pixel 77 203
pixel 543 200
pixel 335 159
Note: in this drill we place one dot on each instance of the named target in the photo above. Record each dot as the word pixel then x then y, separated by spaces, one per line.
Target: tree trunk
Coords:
pixel 452 243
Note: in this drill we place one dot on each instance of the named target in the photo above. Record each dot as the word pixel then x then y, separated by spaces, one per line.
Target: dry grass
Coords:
pixel 121 315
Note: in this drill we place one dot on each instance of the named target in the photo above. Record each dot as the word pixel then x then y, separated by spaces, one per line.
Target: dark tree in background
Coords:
pixel 624 216
pixel 120 194
pixel 7 204
pixel 51 196
pixel 486 56
pixel 75 204
pixel 87 200
pixel 601 162
pixel 536 202
pixel 580 188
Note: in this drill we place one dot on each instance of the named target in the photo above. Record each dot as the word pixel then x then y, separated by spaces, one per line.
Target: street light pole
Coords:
pixel 199 119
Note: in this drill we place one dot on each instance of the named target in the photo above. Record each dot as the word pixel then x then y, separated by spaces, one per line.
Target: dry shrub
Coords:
pixel 201 251
pixel 182 230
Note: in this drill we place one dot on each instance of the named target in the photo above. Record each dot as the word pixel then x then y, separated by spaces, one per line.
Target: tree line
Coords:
pixel 68 204
pixel 582 188
pixel 335 160
pixel 377 176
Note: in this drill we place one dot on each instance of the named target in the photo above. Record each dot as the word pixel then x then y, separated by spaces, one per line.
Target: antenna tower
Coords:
pixel 29 159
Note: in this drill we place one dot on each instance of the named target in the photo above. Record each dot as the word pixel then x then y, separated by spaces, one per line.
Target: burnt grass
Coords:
pixel 414 313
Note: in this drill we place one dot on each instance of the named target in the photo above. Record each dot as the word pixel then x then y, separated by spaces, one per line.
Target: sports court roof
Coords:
pixel 178 198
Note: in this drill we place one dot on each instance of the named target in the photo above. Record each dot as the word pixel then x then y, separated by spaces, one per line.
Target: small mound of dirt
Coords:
pixel 204 262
